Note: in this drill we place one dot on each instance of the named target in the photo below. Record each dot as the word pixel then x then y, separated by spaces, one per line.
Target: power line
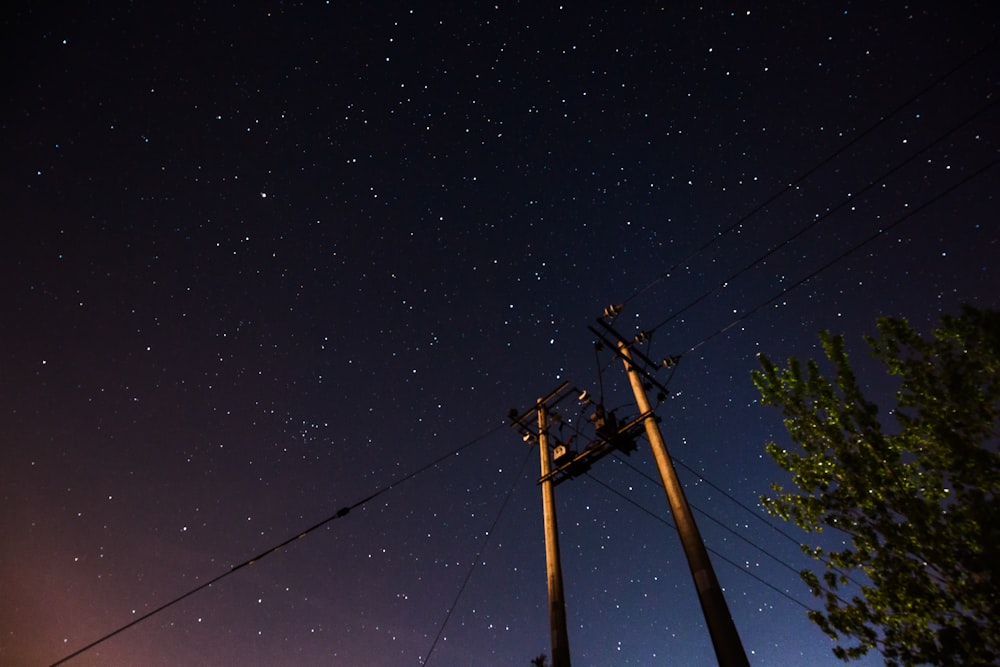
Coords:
pixel 720 523
pixel 805 175
pixel 475 560
pixel 656 482
pixel 717 521
pixel 820 218
pixel 732 498
pixel 745 508
pixel 713 551
pixel 854 248
pixel 339 514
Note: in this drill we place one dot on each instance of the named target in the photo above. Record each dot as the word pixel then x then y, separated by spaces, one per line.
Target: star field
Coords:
pixel 261 263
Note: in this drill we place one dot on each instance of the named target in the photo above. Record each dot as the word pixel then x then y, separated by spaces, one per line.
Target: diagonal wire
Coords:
pixel 829 212
pixel 805 175
pixel 745 508
pixel 713 551
pixel 717 521
pixel 854 248
pixel 339 514
pixel 730 496
pixel 475 560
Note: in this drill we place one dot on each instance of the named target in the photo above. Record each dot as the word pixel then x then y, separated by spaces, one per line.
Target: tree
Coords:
pixel 540 661
pixel 917 504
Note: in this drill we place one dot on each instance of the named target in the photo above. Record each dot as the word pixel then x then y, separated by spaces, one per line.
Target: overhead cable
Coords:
pixel 710 549
pixel 809 172
pixel 820 218
pixel 854 248
pixel 339 514
pixel 475 559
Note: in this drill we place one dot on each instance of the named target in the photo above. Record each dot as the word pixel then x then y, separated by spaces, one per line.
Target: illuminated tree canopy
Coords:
pixel 916 500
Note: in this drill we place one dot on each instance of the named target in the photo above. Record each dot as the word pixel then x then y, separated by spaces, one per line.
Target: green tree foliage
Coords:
pixel 917 503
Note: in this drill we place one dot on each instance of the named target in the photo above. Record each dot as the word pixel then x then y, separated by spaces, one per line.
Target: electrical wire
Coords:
pixel 717 521
pixel 748 510
pixel 829 212
pixel 600 373
pixel 851 250
pixel 339 514
pixel 475 560
pixel 791 539
pixel 647 335
pixel 708 548
pixel 809 172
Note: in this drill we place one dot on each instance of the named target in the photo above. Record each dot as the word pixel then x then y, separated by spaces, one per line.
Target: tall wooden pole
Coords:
pixel 557 602
pixel 726 640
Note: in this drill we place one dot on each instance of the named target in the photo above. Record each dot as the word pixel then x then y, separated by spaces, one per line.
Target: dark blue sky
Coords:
pixel 261 262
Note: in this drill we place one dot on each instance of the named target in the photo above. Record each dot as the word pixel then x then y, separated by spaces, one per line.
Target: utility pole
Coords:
pixel 726 640
pixel 557 601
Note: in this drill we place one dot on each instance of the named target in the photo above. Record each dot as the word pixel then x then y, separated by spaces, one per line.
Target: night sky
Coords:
pixel 263 262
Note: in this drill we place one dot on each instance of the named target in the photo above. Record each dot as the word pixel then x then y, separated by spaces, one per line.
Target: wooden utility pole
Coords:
pixel 557 602
pixel 726 640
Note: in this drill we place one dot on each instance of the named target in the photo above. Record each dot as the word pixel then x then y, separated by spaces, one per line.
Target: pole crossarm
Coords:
pixel 623 441
pixel 553 398
pixel 643 369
